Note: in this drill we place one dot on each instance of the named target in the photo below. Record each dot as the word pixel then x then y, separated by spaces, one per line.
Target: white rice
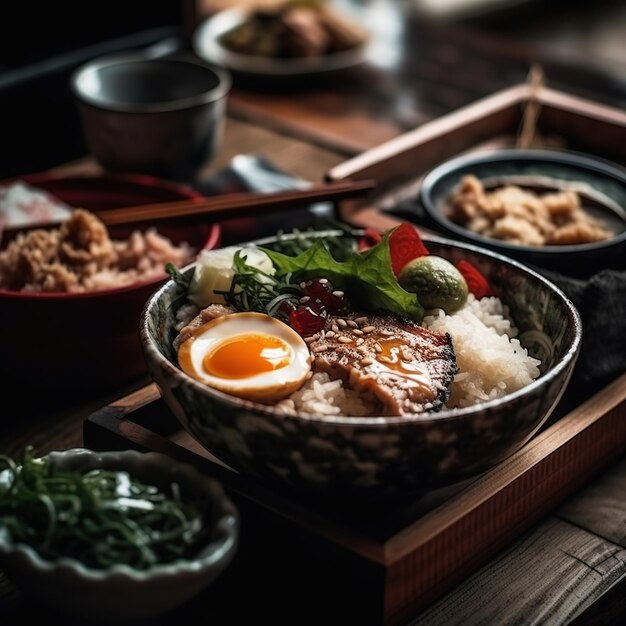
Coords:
pixel 322 396
pixel 491 362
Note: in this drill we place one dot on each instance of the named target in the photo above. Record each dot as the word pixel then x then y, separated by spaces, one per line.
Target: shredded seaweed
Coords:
pixel 341 246
pixel 99 517
pixel 253 290
pixel 177 276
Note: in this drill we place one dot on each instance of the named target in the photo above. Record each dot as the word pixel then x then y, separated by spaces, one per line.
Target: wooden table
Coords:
pixel 570 568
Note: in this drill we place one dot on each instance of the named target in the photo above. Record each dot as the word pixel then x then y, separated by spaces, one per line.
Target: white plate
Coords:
pixel 207 45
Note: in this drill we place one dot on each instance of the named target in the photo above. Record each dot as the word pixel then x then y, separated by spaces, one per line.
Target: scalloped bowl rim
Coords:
pixel 569 358
pixel 227 523
pixel 564 157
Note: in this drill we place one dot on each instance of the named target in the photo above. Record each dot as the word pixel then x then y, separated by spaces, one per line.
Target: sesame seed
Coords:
pixel 359 341
pixel 368 329
pixel 367 361
pixel 344 339
pixel 386 333
pixel 323 281
pixel 356 331
pixel 320 348
pixel 302 285
pixel 338 294
pixel 378 347
pixel 352 324
pixel 342 323
pixel 361 320
pixel 309 339
pixel 335 328
pixel 330 334
pixel 304 299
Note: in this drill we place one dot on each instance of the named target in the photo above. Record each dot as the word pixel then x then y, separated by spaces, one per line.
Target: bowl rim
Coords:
pixel 153 354
pixel 207 45
pixel 219 92
pixel 141 180
pixel 569 158
pixel 227 523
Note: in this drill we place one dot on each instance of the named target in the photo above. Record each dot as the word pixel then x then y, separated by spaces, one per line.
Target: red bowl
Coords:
pixel 88 341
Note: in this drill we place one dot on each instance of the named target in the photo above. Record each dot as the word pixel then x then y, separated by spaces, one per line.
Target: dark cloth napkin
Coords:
pixel 601 302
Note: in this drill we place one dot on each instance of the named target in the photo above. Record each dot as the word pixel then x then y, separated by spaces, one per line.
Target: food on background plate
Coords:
pixel 80 256
pixel 372 346
pixel 100 517
pixel 295 29
pixel 522 217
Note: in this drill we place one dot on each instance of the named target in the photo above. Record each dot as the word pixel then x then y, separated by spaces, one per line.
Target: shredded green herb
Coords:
pixel 99 517
pixel 253 290
pixel 341 246
pixel 178 277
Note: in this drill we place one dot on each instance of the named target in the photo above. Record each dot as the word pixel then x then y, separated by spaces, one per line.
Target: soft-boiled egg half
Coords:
pixel 248 355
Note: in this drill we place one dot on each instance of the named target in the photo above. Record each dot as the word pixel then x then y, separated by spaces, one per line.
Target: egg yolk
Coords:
pixel 247 355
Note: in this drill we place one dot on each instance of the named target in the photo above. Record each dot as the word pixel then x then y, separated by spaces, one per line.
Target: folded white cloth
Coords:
pixel 23 205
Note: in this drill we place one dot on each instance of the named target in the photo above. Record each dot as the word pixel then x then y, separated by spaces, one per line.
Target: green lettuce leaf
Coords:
pixel 366 277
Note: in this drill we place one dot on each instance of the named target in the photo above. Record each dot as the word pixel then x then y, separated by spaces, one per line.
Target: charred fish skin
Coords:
pixel 408 368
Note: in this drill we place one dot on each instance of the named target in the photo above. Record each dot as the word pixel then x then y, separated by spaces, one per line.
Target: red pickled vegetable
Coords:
pixel 370 238
pixel 306 322
pixel 321 291
pixel 476 282
pixel 405 244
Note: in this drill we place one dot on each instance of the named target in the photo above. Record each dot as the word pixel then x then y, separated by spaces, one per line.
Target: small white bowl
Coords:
pixel 122 592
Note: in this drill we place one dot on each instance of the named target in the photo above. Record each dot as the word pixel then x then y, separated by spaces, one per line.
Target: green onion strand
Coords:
pixel 100 517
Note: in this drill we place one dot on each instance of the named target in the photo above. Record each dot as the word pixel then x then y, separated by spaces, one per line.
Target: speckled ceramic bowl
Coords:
pixel 121 592
pixel 385 456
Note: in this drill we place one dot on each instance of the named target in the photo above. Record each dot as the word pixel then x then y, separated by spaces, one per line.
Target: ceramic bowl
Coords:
pixel 606 201
pixel 384 456
pixel 91 339
pixel 121 592
pixel 158 116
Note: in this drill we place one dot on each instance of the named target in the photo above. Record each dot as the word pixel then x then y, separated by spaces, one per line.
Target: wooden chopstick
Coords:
pixel 237 204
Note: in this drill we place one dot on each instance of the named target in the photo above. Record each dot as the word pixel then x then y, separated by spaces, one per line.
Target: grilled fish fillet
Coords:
pixel 406 367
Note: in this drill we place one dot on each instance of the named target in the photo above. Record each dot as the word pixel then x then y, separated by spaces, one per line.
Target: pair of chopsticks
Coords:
pixel 237 204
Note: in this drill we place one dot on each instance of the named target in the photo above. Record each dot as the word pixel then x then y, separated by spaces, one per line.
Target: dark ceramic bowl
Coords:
pixel 385 456
pixel 159 116
pixel 88 341
pixel 607 201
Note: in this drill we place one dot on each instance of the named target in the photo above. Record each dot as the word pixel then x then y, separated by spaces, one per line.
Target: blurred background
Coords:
pixel 429 57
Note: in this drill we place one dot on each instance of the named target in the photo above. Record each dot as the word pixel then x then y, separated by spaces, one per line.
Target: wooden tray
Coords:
pixel 563 121
pixel 375 566
pixel 385 565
